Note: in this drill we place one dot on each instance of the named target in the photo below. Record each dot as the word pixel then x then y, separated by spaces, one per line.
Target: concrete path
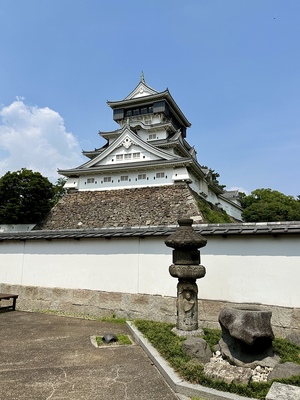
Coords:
pixel 45 357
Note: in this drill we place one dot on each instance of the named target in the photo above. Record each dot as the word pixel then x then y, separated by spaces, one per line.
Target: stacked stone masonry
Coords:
pixel 132 306
pixel 160 205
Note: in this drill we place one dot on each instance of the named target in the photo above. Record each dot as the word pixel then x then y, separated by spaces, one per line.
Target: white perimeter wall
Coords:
pixel 254 269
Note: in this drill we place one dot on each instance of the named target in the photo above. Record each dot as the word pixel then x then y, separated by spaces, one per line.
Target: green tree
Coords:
pixel 59 190
pixel 25 197
pixel 266 205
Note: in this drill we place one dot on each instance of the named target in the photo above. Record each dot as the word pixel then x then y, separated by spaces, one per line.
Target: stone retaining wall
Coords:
pixel 158 205
pixel 133 306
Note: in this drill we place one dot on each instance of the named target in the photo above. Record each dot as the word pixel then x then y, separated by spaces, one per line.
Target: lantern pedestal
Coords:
pixel 185 267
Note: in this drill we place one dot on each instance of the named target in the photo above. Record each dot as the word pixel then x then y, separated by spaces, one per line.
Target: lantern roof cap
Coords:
pixel 185 237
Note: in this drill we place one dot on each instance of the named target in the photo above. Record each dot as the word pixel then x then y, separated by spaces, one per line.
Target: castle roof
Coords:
pixel 144 94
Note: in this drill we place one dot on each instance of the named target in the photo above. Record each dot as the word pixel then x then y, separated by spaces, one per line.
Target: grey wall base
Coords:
pixel 133 306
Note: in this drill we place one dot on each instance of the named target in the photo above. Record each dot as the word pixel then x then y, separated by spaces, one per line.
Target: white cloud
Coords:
pixel 36 138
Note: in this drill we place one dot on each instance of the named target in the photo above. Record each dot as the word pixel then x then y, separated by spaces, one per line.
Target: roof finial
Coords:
pixel 142 77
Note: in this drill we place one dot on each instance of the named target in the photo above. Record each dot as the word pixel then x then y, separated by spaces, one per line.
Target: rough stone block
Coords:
pixel 247 336
pixel 295 322
pixel 140 299
pixel 44 294
pixel 294 337
pixel 281 316
pixel 234 351
pixel 29 292
pixel 197 348
pixel 211 309
pixel 285 370
pixel 247 324
pixel 163 308
pixel 228 373
pixel 109 299
pixel 280 391
pixel 80 296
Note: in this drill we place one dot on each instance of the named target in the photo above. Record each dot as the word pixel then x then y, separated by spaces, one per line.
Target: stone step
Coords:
pixel 279 391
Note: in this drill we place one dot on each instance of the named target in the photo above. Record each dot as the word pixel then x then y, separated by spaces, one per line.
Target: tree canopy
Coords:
pixel 266 205
pixel 25 197
pixel 59 190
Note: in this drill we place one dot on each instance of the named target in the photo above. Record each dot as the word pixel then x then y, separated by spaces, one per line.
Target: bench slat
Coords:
pixel 7 296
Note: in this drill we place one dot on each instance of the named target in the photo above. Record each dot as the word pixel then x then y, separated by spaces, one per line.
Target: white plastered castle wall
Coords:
pixel 123 180
pixel 256 269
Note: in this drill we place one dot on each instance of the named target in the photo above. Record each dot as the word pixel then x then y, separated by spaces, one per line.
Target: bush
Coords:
pixel 213 215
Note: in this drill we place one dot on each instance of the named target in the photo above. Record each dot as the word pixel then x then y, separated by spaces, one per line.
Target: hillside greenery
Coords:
pixel 213 215
pixel 267 205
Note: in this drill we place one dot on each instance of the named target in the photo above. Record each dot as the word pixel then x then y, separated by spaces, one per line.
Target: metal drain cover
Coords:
pixel 109 338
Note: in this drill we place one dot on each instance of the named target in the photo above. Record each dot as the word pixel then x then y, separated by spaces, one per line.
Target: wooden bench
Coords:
pixel 6 296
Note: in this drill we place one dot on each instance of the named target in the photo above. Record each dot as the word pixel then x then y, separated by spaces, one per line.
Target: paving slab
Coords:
pixel 45 356
pixel 279 391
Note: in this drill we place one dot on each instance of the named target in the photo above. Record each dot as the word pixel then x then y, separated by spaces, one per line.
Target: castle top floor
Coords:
pixel 145 105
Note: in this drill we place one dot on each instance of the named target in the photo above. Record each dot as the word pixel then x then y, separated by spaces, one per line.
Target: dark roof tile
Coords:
pixel 142 231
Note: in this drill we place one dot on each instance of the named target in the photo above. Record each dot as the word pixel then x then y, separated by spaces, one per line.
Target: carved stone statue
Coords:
pixel 186 259
pixel 187 306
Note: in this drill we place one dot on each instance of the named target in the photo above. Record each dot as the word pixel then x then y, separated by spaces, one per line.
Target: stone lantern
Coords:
pixel 186 267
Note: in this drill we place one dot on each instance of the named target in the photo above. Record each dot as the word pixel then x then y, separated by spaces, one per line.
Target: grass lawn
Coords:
pixel 121 340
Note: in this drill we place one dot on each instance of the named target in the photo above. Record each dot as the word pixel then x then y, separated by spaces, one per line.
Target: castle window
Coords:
pixel 152 136
pixel 90 180
pixel 127 156
pixel 160 174
pixel 128 113
pixel 118 114
pixel 136 111
pixel 124 178
pixel 144 110
pixel 142 176
pixel 136 155
pixel 119 157
pixel 107 179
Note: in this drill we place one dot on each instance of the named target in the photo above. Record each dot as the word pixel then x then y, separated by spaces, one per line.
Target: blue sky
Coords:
pixel 233 67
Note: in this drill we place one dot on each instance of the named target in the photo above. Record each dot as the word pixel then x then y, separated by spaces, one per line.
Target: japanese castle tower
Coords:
pixel 148 154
